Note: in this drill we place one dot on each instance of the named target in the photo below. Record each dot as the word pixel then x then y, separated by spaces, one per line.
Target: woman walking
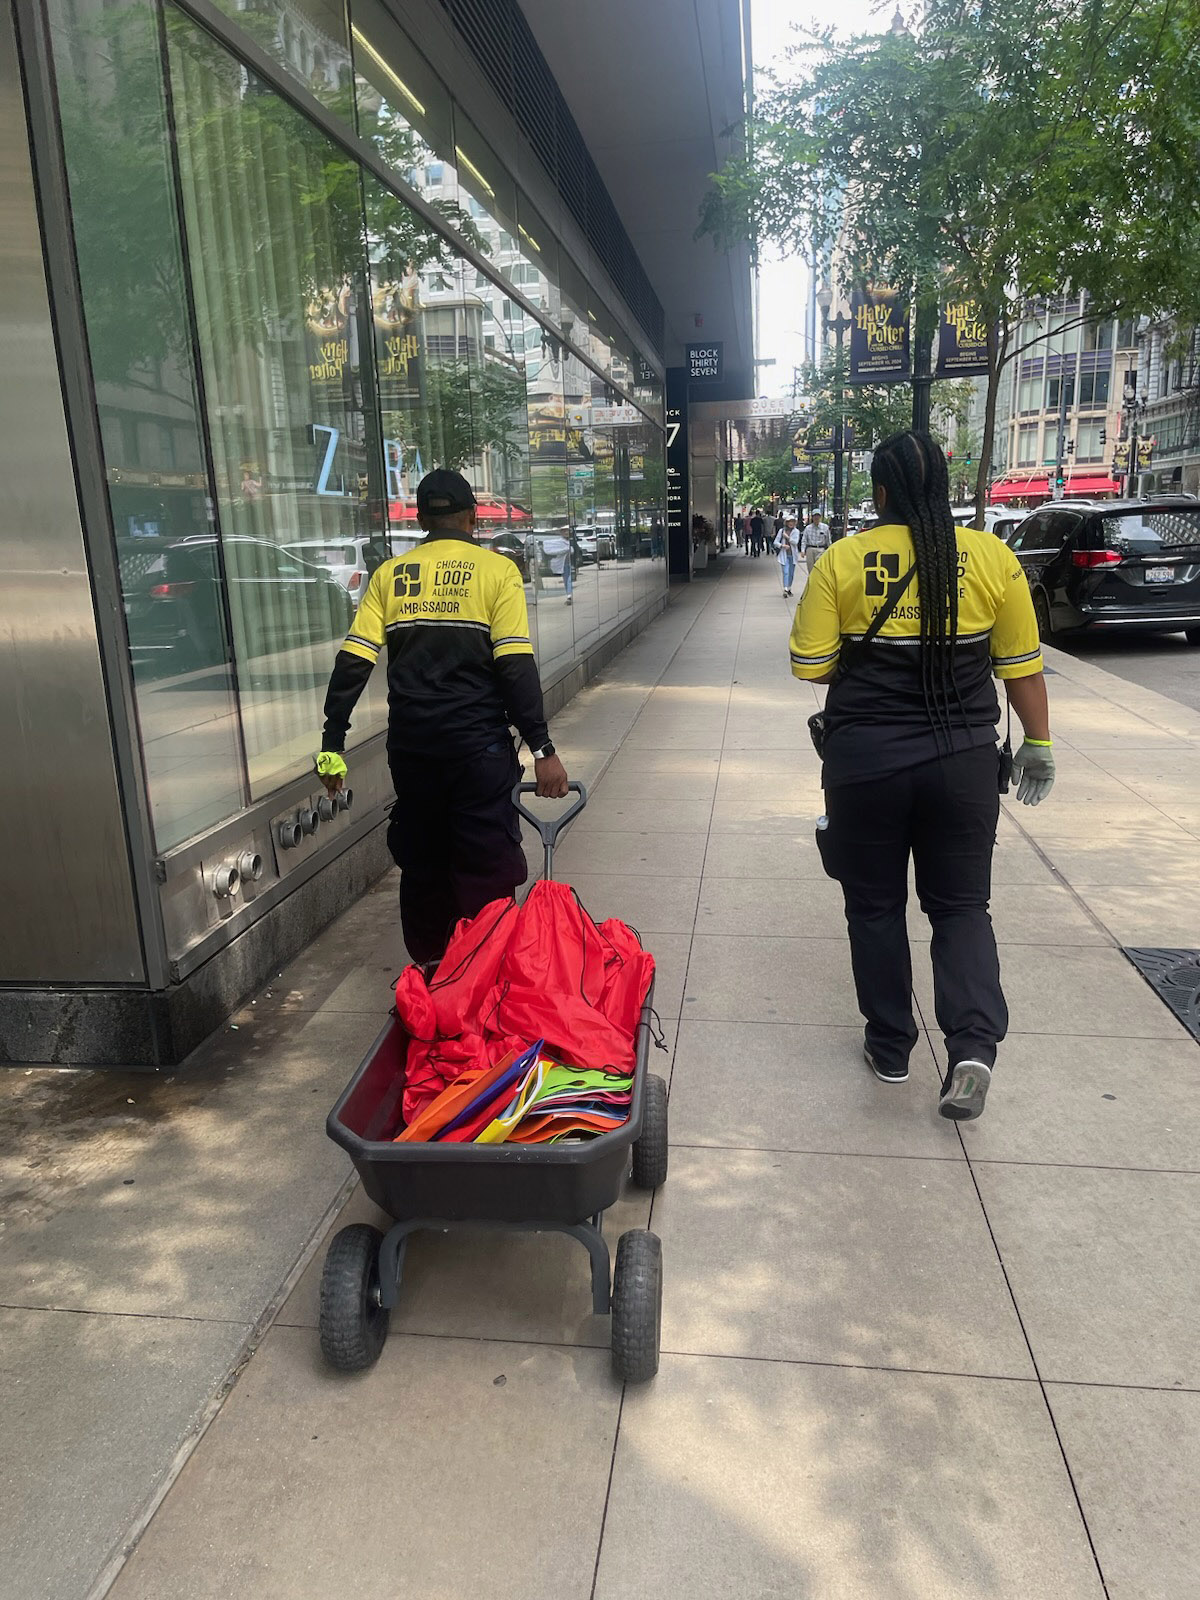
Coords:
pixel 907 623
pixel 787 548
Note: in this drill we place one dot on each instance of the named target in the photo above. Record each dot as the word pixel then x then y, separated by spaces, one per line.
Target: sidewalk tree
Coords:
pixel 1007 154
pixel 770 477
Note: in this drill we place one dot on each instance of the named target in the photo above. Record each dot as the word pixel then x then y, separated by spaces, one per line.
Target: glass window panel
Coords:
pixel 405 111
pixel 599 442
pixel 573 304
pixel 1029 392
pixel 499 464
pixel 274 216
pixel 540 250
pixel 622 437
pixel 1098 336
pixel 1087 442
pixel 623 368
pixel 308 39
pixel 600 333
pixel 563 577
pixel 424 323
pixel 647 389
pixel 135 304
pixel 486 190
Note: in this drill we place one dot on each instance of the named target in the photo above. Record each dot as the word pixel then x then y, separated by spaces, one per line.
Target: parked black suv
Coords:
pixel 1129 564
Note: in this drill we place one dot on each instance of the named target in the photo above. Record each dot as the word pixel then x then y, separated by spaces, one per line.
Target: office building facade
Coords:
pixel 269 263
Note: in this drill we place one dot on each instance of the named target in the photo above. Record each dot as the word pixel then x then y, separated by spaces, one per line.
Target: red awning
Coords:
pixel 1021 489
pixel 1092 486
pixel 1039 488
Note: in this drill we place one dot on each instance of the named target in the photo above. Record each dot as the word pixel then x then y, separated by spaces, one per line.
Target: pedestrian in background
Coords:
pixel 910 764
pixel 814 540
pixel 756 532
pixel 787 549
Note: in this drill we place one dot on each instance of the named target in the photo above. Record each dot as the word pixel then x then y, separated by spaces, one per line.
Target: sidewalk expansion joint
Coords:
pixel 853 1155
pixel 133 1316
pixel 1062 1449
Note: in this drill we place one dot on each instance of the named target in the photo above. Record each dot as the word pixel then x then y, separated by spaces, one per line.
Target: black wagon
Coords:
pixel 563 1188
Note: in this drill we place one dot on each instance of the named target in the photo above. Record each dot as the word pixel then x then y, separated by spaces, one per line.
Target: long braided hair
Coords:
pixel 912 469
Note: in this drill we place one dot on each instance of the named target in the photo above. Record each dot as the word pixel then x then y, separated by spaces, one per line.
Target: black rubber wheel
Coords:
pixel 353 1324
pixel 1041 611
pixel 1192 635
pixel 650 1147
pixel 637 1306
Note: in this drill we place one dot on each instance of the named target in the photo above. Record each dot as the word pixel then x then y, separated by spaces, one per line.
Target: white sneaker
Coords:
pixel 964 1091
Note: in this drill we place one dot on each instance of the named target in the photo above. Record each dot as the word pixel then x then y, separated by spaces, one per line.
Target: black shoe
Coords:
pixel 964 1090
pixel 888 1073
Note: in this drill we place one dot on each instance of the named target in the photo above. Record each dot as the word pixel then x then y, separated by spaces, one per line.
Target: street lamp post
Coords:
pixel 840 325
pixel 1133 409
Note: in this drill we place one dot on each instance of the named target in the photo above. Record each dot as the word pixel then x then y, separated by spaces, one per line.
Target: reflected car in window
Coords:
pixel 349 562
pixel 596 544
pixel 1132 565
pixel 173 603
pixel 507 543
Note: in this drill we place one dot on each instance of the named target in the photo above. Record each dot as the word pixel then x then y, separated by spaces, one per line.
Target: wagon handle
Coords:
pixel 549 829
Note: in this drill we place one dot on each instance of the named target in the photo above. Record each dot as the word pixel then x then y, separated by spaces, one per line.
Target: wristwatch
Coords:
pixel 546 750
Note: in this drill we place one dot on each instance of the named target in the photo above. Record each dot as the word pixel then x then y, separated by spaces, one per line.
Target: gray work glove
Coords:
pixel 1033 765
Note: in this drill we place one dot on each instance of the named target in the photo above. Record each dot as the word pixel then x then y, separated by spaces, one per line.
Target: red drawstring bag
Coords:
pixel 509 976
pixel 468 972
pixel 575 1033
pixel 556 946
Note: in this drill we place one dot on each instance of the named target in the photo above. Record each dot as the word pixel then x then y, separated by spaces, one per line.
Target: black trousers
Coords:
pixel 455 837
pixel 944 813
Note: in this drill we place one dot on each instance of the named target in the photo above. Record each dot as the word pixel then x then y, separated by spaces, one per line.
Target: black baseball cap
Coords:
pixel 442 492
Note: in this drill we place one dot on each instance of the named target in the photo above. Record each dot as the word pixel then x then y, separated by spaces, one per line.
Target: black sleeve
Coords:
pixel 350 674
pixel 522 688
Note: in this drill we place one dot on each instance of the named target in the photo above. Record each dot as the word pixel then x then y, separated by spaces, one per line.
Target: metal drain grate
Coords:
pixel 1174 975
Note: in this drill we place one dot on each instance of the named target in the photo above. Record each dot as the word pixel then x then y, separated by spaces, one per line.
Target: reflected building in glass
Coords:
pixel 271 263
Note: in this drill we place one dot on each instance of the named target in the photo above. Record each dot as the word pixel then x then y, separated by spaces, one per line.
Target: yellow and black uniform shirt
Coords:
pixel 460 662
pixel 877 721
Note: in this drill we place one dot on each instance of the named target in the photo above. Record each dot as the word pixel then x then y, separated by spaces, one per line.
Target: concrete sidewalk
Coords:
pixel 901 1358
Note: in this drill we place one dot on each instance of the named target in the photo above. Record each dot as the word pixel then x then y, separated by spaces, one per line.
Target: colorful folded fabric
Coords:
pixel 547 1130
pixel 485 1105
pixel 463 1092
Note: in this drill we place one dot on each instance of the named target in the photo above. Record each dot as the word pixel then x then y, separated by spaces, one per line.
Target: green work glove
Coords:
pixel 1033 765
pixel 331 769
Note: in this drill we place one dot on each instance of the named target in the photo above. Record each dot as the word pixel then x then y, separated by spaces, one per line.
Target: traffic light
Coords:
pixel 1060 481
pixel 949 455
pixel 1103 435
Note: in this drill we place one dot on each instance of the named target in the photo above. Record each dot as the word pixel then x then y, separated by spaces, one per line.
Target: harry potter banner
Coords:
pixel 327 335
pixel 396 311
pixel 879 348
pixel 962 343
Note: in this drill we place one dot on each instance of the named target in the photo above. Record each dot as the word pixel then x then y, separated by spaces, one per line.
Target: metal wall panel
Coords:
pixel 69 909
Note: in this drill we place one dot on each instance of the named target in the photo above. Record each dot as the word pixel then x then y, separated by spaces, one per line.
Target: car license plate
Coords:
pixel 1159 574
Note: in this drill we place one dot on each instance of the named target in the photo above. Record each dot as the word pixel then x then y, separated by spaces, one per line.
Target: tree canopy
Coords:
pixel 999 150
